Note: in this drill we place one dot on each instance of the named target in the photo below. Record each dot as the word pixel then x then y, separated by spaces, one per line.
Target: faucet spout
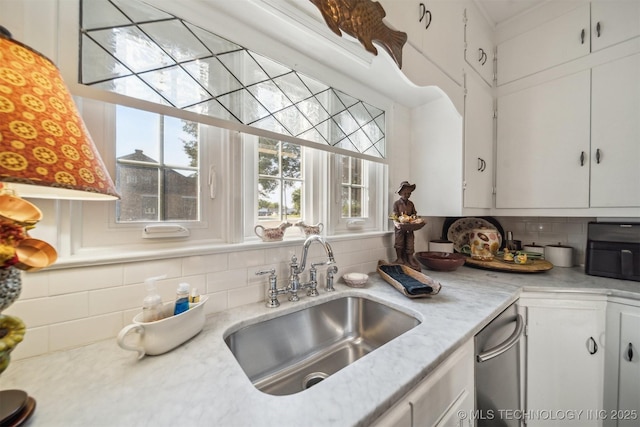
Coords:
pixel 305 250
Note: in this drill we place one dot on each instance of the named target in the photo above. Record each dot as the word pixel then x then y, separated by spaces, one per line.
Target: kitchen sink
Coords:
pixel 292 352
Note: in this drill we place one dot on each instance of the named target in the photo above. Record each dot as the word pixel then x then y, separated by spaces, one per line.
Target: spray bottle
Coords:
pixel 152 303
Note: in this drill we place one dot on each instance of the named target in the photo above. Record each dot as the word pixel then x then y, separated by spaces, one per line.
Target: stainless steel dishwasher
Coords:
pixel 497 370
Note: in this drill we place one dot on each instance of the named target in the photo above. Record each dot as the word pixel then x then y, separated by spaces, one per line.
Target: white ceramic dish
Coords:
pixel 166 334
pixel 355 280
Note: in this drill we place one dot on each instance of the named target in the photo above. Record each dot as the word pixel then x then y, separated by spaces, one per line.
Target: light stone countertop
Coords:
pixel 201 384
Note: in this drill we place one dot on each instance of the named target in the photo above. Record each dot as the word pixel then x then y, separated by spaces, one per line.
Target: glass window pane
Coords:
pixel 268 199
pixel 346 169
pixel 180 142
pixel 180 195
pixel 356 171
pixel 356 202
pixel 137 135
pixel 293 193
pixel 269 157
pixel 138 187
pixel 291 161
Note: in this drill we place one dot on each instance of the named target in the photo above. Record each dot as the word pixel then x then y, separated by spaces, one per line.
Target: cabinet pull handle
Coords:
pixel 598 156
pixel 482 165
pixel 426 15
pixel 593 348
pixel 582 34
pixel 598 29
pixel 582 158
pixel 630 352
pixel 482 57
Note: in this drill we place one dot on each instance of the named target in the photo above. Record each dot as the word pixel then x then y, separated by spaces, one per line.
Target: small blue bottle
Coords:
pixel 182 299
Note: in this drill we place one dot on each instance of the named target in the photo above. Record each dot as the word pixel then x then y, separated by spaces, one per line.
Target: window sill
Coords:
pixel 105 256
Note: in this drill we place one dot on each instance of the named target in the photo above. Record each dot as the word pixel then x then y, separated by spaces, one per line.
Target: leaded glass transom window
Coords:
pixel 134 49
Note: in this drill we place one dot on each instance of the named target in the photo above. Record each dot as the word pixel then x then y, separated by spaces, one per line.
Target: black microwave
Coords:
pixel 613 250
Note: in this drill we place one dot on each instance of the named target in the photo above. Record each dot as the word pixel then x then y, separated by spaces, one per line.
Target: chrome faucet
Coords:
pixel 294 276
pixel 297 269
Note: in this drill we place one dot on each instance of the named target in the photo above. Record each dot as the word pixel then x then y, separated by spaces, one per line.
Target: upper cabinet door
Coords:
pixel 615 134
pixel 478 144
pixel 479 46
pixel 443 35
pixel 543 145
pixel 405 16
pixel 558 41
pixel 614 22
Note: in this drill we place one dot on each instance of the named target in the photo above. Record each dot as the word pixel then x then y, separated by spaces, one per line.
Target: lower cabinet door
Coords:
pixel 565 362
pixel 629 378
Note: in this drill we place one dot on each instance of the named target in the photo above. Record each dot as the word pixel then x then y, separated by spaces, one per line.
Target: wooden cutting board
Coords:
pixel 533 266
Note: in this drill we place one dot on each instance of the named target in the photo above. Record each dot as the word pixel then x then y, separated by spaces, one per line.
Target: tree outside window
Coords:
pixel 280 182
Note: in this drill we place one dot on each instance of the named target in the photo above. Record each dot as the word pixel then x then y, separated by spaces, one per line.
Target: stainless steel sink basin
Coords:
pixel 295 351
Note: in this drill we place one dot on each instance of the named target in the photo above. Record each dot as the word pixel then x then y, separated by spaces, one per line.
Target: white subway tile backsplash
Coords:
pixel 245 259
pixel 35 285
pixel 247 295
pixel 84 279
pixel 71 307
pixel 204 264
pixel 35 342
pixel 83 331
pixel 51 310
pixel 225 280
pixel 137 272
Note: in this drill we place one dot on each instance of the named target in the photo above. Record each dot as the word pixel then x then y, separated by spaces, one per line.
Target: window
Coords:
pixel 224 138
pixel 280 181
pixel 353 188
pixel 157 167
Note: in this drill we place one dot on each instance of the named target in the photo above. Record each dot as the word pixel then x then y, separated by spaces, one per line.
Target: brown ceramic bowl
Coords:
pixel 441 261
pixel 34 254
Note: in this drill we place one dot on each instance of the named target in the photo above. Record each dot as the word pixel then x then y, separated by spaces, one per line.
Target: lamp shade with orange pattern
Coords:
pixel 45 148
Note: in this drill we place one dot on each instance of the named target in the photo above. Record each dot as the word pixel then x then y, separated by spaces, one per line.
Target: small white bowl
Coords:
pixel 355 280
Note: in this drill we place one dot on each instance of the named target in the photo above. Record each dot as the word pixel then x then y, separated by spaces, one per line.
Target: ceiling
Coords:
pixel 499 11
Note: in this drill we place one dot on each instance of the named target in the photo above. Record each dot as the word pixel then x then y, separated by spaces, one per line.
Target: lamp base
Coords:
pixel 16 407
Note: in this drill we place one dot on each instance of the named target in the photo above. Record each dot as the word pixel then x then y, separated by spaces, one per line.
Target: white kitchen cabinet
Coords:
pixel 543 145
pixel 434 28
pixel 479 45
pixel 438 399
pixel 622 365
pixel 565 357
pixel 478 140
pixel 613 22
pixel 558 40
pixel 615 133
pixel 589 27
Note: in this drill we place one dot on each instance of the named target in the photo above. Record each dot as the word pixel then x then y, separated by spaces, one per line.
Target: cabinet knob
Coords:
pixel 598 28
pixel 582 158
pixel 598 156
pixel 592 347
pixel 482 165
pixel 582 35
pixel 630 352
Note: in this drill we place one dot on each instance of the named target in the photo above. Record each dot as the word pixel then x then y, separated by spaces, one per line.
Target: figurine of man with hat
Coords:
pixel 405 240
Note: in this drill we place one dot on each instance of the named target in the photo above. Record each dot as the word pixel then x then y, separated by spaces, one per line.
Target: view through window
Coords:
pixel 157 167
pixel 280 181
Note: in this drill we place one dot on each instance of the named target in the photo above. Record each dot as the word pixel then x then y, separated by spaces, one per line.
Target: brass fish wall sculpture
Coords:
pixel 362 19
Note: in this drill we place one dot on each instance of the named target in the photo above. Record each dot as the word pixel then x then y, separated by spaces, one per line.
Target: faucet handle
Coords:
pixel 261 272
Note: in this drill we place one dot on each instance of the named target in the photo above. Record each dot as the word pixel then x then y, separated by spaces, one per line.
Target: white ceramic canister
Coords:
pixel 559 255
pixel 441 246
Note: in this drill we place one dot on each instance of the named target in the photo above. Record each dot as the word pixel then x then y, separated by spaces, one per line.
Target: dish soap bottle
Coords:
pixel 152 303
pixel 182 298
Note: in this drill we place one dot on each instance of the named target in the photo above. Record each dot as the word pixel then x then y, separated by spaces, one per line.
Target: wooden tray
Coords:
pixel 534 266
pixel 425 280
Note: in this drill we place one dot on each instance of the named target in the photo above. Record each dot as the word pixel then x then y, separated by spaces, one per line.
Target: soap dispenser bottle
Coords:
pixel 182 298
pixel 152 303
